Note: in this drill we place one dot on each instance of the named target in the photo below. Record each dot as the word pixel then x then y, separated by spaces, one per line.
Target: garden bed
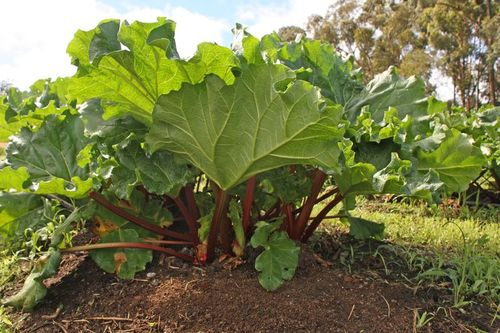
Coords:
pixel 176 297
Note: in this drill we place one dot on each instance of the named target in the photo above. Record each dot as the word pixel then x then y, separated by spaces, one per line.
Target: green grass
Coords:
pixel 10 269
pixel 436 230
pixel 450 248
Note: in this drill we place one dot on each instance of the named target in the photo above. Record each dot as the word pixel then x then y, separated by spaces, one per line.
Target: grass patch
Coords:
pixel 10 269
pixel 436 230
pixel 453 249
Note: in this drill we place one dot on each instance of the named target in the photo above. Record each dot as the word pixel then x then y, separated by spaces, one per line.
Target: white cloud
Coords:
pixel 444 85
pixel 34 34
pixel 263 19
pixel 193 28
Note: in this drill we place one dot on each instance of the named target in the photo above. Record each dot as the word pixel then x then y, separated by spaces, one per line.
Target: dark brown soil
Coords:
pixel 175 297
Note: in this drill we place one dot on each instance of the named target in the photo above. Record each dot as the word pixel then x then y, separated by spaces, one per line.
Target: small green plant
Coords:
pixel 471 273
pixel 5 322
pixel 421 320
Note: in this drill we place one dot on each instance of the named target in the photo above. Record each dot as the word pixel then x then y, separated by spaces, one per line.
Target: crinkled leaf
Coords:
pixel 234 132
pixel 108 133
pixel 50 156
pixel 160 173
pixel 11 179
pixel 124 262
pixel 356 179
pixel 386 90
pixel 130 80
pixel 314 61
pixel 426 185
pixel 263 232
pixel 456 160
pixel 32 119
pixel 33 290
pixel 278 262
pixel 327 70
pixel 431 142
pixel 18 212
pixel 391 178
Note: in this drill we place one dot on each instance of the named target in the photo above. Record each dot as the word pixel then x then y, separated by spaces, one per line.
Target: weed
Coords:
pixel 421 319
pixel 5 322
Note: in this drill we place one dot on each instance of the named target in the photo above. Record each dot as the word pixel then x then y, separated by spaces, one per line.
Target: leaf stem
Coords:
pixel 289 219
pixel 272 212
pixel 191 201
pixel 129 245
pixel 320 217
pixel 247 203
pixel 166 242
pixel 220 210
pixel 63 202
pixel 321 198
pixel 191 222
pixel 100 199
pixel 301 222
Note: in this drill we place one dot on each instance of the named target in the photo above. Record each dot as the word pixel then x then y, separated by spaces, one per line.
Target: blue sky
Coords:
pixel 34 34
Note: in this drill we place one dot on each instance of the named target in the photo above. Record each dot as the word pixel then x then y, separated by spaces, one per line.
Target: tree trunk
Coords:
pixel 492 82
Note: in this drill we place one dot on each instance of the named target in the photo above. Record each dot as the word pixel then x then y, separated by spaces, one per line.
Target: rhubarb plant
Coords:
pixel 231 147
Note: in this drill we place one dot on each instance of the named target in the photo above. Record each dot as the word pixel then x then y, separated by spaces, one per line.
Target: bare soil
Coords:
pixel 175 297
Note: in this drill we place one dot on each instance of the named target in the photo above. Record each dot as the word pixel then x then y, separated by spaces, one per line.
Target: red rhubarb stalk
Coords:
pixel 321 198
pixel 190 220
pixel 191 201
pixel 272 212
pixel 100 199
pixel 289 219
pixel 301 222
pixel 320 217
pixel 220 210
pixel 129 245
pixel 247 203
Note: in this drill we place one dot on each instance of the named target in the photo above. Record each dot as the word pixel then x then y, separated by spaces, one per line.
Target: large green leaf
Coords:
pixel 313 60
pixel 33 119
pixel 18 212
pixel 280 257
pixel 11 179
pixel 389 90
pixel 160 173
pixel 33 290
pixel 124 262
pixel 327 70
pixel 234 132
pixel 50 157
pixel 391 178
pixel 457 161
pixel 129 79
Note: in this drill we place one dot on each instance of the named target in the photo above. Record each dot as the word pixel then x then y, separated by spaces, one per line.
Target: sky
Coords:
pixel 34 34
